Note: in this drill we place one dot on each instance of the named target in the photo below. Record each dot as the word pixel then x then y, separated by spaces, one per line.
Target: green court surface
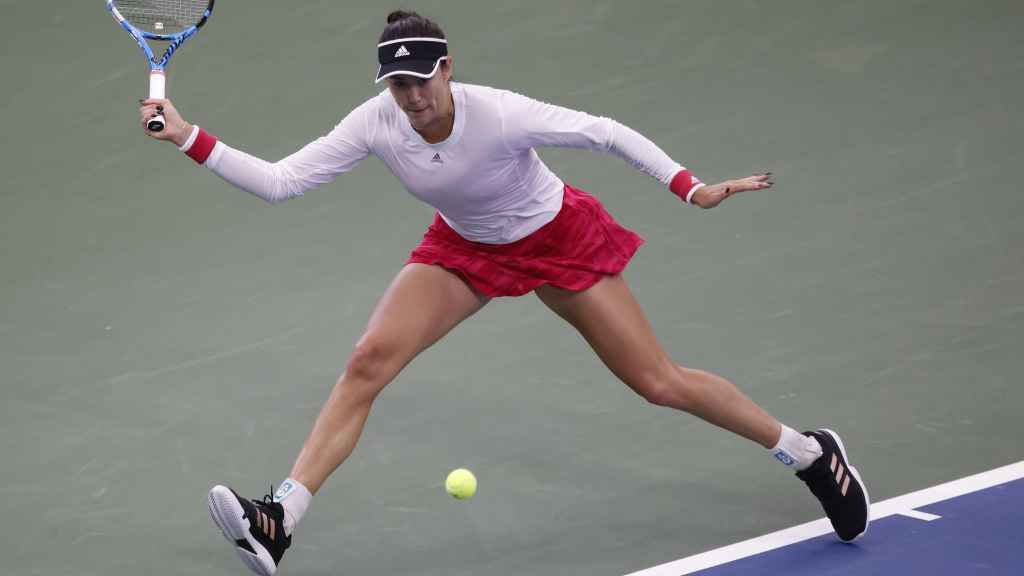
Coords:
pixel 162 332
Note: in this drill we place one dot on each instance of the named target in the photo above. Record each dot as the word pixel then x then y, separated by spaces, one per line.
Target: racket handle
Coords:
pixel 156 124
pixel 157 89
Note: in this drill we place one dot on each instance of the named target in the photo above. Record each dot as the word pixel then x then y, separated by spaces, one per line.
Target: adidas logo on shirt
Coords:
pixel 402 51
pixel 437 159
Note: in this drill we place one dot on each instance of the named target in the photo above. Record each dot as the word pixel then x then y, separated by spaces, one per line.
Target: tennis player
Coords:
pixel 506 225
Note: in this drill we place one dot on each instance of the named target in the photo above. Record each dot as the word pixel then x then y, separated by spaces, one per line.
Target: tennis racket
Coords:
pixel 172 21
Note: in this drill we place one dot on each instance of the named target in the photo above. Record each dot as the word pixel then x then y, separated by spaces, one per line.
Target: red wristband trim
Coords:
pixel 682 183
pixel 202 147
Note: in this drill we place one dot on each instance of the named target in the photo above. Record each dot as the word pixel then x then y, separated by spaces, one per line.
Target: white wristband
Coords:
pixel 689 195
pixel 191 139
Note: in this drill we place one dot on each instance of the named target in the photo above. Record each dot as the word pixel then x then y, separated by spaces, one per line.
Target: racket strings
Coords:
pixel 162 16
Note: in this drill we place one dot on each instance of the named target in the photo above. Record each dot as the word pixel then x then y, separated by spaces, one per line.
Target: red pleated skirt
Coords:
pixel 574 251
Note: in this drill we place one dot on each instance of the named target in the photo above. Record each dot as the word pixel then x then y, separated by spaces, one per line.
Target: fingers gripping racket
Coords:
pixel 173 21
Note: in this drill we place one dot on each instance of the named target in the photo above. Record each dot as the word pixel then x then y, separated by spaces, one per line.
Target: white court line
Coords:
pixel 919 515
pixel 904 505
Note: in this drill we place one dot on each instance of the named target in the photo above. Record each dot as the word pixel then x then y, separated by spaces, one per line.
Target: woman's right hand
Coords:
pixel 175 128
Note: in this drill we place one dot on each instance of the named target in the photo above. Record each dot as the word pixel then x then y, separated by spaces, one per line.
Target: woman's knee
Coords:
pixel 667 385
pixel 371 365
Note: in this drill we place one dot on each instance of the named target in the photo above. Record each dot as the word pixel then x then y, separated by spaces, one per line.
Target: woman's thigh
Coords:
pixel 611 320
pixel 420 306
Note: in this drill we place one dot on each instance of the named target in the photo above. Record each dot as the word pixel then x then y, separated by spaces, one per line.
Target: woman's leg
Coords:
pixel 610 319
pixel 422 304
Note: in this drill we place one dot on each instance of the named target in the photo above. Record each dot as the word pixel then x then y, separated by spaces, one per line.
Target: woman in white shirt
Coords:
pixel 505 226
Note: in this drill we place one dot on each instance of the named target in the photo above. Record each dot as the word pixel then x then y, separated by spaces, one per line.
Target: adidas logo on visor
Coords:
pixel 402 51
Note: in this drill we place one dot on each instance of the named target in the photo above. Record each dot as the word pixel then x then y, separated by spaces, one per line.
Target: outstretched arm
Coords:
pixel 532 123
pixel 317 163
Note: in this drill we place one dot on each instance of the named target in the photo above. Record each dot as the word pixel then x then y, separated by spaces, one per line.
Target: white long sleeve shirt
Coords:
pixel 486 179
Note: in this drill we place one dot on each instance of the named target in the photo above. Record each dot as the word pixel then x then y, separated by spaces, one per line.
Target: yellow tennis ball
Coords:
pixel 461 484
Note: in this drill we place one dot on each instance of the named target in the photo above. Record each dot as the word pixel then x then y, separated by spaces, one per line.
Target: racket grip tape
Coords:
pixel 158 90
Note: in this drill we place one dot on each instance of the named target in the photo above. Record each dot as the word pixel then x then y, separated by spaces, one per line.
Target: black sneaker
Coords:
pixel 255 528
pixel 838 487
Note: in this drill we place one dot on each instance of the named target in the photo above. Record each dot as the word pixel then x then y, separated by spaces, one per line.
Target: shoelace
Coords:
pixel 264 520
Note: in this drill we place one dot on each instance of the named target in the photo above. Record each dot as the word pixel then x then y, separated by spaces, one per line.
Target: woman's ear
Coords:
pixel 448 68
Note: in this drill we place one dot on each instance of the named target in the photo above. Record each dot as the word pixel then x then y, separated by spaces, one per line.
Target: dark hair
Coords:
pixel 402 24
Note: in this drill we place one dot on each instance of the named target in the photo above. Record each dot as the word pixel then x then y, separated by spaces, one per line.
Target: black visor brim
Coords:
pixel 417 68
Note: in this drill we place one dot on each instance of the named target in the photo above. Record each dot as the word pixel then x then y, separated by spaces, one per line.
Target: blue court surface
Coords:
pixel 968 526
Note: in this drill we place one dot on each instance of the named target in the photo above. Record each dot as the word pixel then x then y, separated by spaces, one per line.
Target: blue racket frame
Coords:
pixel 175 40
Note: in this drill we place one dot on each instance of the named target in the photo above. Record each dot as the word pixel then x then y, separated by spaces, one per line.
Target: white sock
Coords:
pixel 294 498
pixel 796 450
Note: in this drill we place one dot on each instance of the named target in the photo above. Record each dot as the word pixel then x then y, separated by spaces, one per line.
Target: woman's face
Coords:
pixel 426 101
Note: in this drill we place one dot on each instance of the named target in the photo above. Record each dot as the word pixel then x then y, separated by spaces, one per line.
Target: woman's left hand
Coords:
pixel 712 195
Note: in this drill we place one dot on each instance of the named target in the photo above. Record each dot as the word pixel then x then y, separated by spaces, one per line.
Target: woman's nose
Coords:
pixel 416 93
